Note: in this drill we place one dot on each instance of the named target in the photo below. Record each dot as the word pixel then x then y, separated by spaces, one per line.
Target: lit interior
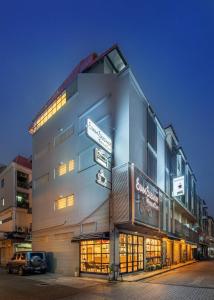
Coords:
pixel 49 112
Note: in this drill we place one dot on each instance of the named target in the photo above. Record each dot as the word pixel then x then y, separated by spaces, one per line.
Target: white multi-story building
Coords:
pixel 103 174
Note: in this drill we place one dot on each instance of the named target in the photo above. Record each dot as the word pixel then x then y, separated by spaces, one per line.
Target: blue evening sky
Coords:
pixel 169 45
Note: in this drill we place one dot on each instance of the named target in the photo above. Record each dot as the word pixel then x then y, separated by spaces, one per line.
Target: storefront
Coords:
pixel 131 250
pixel 153 254
pixel 94 256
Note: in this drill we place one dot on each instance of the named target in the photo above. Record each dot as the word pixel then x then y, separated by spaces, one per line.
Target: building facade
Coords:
pixel 111 185
pixel 15 208
pixel 211 237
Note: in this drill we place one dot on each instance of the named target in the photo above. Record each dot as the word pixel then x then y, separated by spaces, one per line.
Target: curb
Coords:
pixel 164 271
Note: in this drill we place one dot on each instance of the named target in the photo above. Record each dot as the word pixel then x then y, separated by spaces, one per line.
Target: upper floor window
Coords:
pixel 151 131
pixel 64 202
pixel 2 183
pixel 50 111
pixel 22 200
pixel 71 165
pixel 63 168
pixel 152 146
pixel 22 180
pixel 2 201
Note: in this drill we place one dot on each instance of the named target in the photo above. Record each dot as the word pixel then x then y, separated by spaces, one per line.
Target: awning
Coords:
pixel 91 236
pixel 173 237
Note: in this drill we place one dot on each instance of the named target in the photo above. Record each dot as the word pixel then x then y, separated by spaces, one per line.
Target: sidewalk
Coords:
pixel 144 275
pixel 85 282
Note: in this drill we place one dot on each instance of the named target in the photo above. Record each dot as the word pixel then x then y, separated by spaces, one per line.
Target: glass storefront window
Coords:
pixel 94 256
pixel 131 253
pixel 153 252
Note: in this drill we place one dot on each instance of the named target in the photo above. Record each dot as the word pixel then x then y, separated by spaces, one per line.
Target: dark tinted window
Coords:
pixel 39 254
pixel 2 183
pixel 152 165
pixel 151 131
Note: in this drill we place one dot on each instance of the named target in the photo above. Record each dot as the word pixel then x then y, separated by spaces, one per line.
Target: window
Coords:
pixel 71 165
pixel 64 202
pixel 131 253
pixel 49 112
pixel 22 200
pixel 151 164
pixel 22 180
pixel 153 252
pixel 62 169
pixel 152 147
pixel 151 131
pixel 2 201
pixel 2 183
pixel 94 256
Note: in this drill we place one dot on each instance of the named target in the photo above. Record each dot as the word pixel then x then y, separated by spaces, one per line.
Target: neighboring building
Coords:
pixel 203 229
pixel 135 207
pixel 211 237
pixel 15 207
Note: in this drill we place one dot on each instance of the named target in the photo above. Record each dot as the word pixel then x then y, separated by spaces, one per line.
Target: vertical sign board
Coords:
pixel 178 186
pixel 146 200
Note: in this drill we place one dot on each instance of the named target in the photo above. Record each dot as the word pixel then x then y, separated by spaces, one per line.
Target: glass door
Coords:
pixel 131 253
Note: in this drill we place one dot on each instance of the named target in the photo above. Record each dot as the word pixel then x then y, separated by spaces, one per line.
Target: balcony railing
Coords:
pixel 23 185
pixel 185 232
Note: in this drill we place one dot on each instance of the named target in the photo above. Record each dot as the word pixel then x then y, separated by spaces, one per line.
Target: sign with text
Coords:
pixel 178 186
pixel 97 135
pixel 146 200
pixel 102 158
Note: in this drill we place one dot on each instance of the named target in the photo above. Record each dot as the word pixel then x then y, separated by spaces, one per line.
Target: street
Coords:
pixel 194 282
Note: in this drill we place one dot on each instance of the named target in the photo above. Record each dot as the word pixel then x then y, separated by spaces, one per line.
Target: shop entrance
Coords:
pixel 131 253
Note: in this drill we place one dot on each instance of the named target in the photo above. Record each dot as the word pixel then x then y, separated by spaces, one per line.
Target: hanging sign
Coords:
pixel 97 135
pixel 178 186
pixel 102 158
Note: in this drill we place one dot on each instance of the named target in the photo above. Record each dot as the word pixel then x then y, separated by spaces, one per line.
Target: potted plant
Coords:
pixel 111 272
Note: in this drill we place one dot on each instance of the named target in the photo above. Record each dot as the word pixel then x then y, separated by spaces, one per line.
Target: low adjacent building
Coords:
pixel 15 207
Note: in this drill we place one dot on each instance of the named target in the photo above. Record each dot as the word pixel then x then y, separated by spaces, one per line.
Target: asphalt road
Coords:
pixel 195 282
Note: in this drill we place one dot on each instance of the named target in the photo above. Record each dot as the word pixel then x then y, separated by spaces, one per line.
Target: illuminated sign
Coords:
pixel 151 197
pixel 102 158
pixel 146 197
pixel 97 135
pixel 178 186
pixel 101 178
